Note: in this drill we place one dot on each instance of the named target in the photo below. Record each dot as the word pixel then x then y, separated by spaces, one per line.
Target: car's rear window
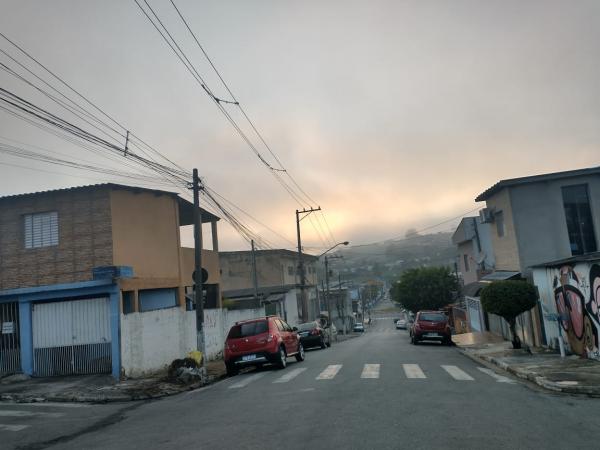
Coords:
pixel 307 326
pixel 432 317
pixel 248 329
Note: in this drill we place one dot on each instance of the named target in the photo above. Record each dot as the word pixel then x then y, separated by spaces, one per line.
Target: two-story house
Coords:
pixel 277 282
pixel 93 280
pixel 540 219
pixel 474 249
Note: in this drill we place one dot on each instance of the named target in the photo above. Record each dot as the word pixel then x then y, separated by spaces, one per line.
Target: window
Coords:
pixel 466 258
pixel 248 329
pixel 41 229
pixel 579 219
pixel 152 299
pixel 499 219
pixel 290 270
pixel 128 302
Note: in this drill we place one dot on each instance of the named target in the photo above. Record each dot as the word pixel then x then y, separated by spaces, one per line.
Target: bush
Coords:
pixel 425 288
pixel 508 299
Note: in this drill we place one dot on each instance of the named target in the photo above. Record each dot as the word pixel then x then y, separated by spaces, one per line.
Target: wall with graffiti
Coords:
pixel 570 300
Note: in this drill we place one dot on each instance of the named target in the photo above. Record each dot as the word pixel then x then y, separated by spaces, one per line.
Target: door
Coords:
pixel 290 338
pixel 72 337
pixel 10 349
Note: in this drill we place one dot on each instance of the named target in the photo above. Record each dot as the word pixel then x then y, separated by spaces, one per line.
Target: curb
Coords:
pixel 106 398
pixel 590 391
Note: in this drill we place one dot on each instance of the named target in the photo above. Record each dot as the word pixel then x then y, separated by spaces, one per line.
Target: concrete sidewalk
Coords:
pixel 97 388
pixel 572 374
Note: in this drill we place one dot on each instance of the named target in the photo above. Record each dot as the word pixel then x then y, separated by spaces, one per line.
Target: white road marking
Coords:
pixel 4 427
pixel 457 373
pixel 290 375
pixel 14 413
pixel 330 372
pixel 370 371
pixel 499 378
pixel 246 380
pixel 413 371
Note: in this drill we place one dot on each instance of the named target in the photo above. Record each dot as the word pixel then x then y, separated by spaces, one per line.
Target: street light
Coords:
pixel 327 283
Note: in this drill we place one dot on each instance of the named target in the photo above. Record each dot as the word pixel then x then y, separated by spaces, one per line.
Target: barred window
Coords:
pixel 41 229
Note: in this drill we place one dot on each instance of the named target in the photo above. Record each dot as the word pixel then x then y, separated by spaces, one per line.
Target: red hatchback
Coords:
pixel 431 325
pixel 259 341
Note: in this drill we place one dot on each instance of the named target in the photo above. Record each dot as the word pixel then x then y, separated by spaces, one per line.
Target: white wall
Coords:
pixel 151 340
pixel 217 323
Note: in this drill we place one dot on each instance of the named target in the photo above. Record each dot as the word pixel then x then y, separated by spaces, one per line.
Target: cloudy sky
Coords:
pixel 389 114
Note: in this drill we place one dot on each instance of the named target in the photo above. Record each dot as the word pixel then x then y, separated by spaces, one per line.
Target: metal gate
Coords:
pixel 10 349
pixel 72 337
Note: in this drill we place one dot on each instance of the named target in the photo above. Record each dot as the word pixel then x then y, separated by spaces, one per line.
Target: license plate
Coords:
pixel 431 334
pixel 248 357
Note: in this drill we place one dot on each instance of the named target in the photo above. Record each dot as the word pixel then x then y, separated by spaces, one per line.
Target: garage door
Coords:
pixel 72 337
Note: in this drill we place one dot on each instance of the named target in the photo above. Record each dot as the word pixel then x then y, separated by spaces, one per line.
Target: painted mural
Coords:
pixel 577 297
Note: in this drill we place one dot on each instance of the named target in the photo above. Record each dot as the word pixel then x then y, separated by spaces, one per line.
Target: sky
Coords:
pixel 389 114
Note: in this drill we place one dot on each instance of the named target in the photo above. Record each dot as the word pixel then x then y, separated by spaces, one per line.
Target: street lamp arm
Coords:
pixel 336 245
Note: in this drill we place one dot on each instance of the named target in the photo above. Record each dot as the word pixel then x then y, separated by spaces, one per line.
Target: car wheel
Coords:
pixel 282 358
pixel 231 369
pixel 328 343
pixel 322 343
pixel 300 354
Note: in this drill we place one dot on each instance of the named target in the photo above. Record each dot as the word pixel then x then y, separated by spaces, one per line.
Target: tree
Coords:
pixel 508 299
pixel 425 288
pixel 411 232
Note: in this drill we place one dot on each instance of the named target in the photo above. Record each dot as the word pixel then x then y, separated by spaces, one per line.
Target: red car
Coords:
pixel 260 341
pixel 431 325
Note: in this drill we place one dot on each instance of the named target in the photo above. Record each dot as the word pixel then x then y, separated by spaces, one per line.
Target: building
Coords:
pixel 341 304
pixel 93 280
pixel 475 251
pixel 537 219
pixel 276 272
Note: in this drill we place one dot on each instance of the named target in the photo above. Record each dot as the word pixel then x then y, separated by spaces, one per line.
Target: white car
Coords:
pixel 401 324
pixel 358 327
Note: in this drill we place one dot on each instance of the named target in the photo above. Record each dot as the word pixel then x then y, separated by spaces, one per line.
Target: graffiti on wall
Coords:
pixel 577 297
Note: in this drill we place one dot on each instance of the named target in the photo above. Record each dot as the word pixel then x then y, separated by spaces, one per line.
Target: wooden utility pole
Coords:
pixel 303 298
pixel 254 275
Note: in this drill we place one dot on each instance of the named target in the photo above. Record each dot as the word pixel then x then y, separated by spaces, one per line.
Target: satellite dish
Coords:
pixel 481 258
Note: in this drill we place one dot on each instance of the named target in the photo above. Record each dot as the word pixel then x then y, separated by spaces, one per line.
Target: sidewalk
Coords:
pixel 572 374
pixel 97 388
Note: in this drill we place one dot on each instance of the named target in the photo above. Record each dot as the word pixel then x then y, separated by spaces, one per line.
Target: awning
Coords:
pixel 273 298
pixel 499 275
pixel 473 289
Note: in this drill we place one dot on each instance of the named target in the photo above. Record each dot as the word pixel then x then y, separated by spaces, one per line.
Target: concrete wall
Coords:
pixel 467 248
pixel 151 340
pixel 540 220
pixel 210 261
pixel 217 323
pixel 506 250
pixel 570 301
pixel 146 233
pixel 85 239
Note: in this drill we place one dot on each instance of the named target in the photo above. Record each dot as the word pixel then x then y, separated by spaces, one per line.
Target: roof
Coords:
pixel 594 256
pixel 499 275
pixel 275 252
pixel 535 179
pixel 186 208
pixel 473 289
pixel 234 294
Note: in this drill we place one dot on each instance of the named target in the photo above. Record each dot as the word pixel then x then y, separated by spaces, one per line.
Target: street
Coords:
pixel 373 391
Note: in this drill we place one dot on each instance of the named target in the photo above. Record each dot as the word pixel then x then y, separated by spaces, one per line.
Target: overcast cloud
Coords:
pixel 390 114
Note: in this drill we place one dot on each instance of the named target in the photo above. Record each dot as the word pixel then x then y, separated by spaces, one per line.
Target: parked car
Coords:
pixel 430 325
pixel 401 324
pixel 259 341
pixel 312 334
pixel 359 327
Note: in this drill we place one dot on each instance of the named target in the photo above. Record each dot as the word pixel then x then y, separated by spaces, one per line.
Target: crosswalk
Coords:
pixel 374 371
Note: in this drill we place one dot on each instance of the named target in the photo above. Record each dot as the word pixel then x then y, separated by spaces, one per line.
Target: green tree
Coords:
pixel 508 299
pixel 425 288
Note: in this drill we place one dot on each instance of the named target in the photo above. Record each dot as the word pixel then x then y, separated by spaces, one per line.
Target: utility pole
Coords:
pixel 198 271
pixel 254 275
pixel 327 298
pixel 304 300
pixel 343 301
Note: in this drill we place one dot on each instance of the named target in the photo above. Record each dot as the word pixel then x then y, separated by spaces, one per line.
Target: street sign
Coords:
pixel 204 276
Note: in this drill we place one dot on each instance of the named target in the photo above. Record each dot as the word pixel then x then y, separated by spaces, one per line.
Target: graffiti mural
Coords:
pixel 577 297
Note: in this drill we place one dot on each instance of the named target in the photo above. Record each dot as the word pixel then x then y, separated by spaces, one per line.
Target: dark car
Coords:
pixel 312 334
pixel 258 341
pixel 431 325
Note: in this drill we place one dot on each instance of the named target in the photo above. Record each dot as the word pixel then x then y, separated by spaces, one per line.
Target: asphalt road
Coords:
pixel 373 392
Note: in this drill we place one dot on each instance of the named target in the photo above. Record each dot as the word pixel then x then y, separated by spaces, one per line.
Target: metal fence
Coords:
pixel 10 349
